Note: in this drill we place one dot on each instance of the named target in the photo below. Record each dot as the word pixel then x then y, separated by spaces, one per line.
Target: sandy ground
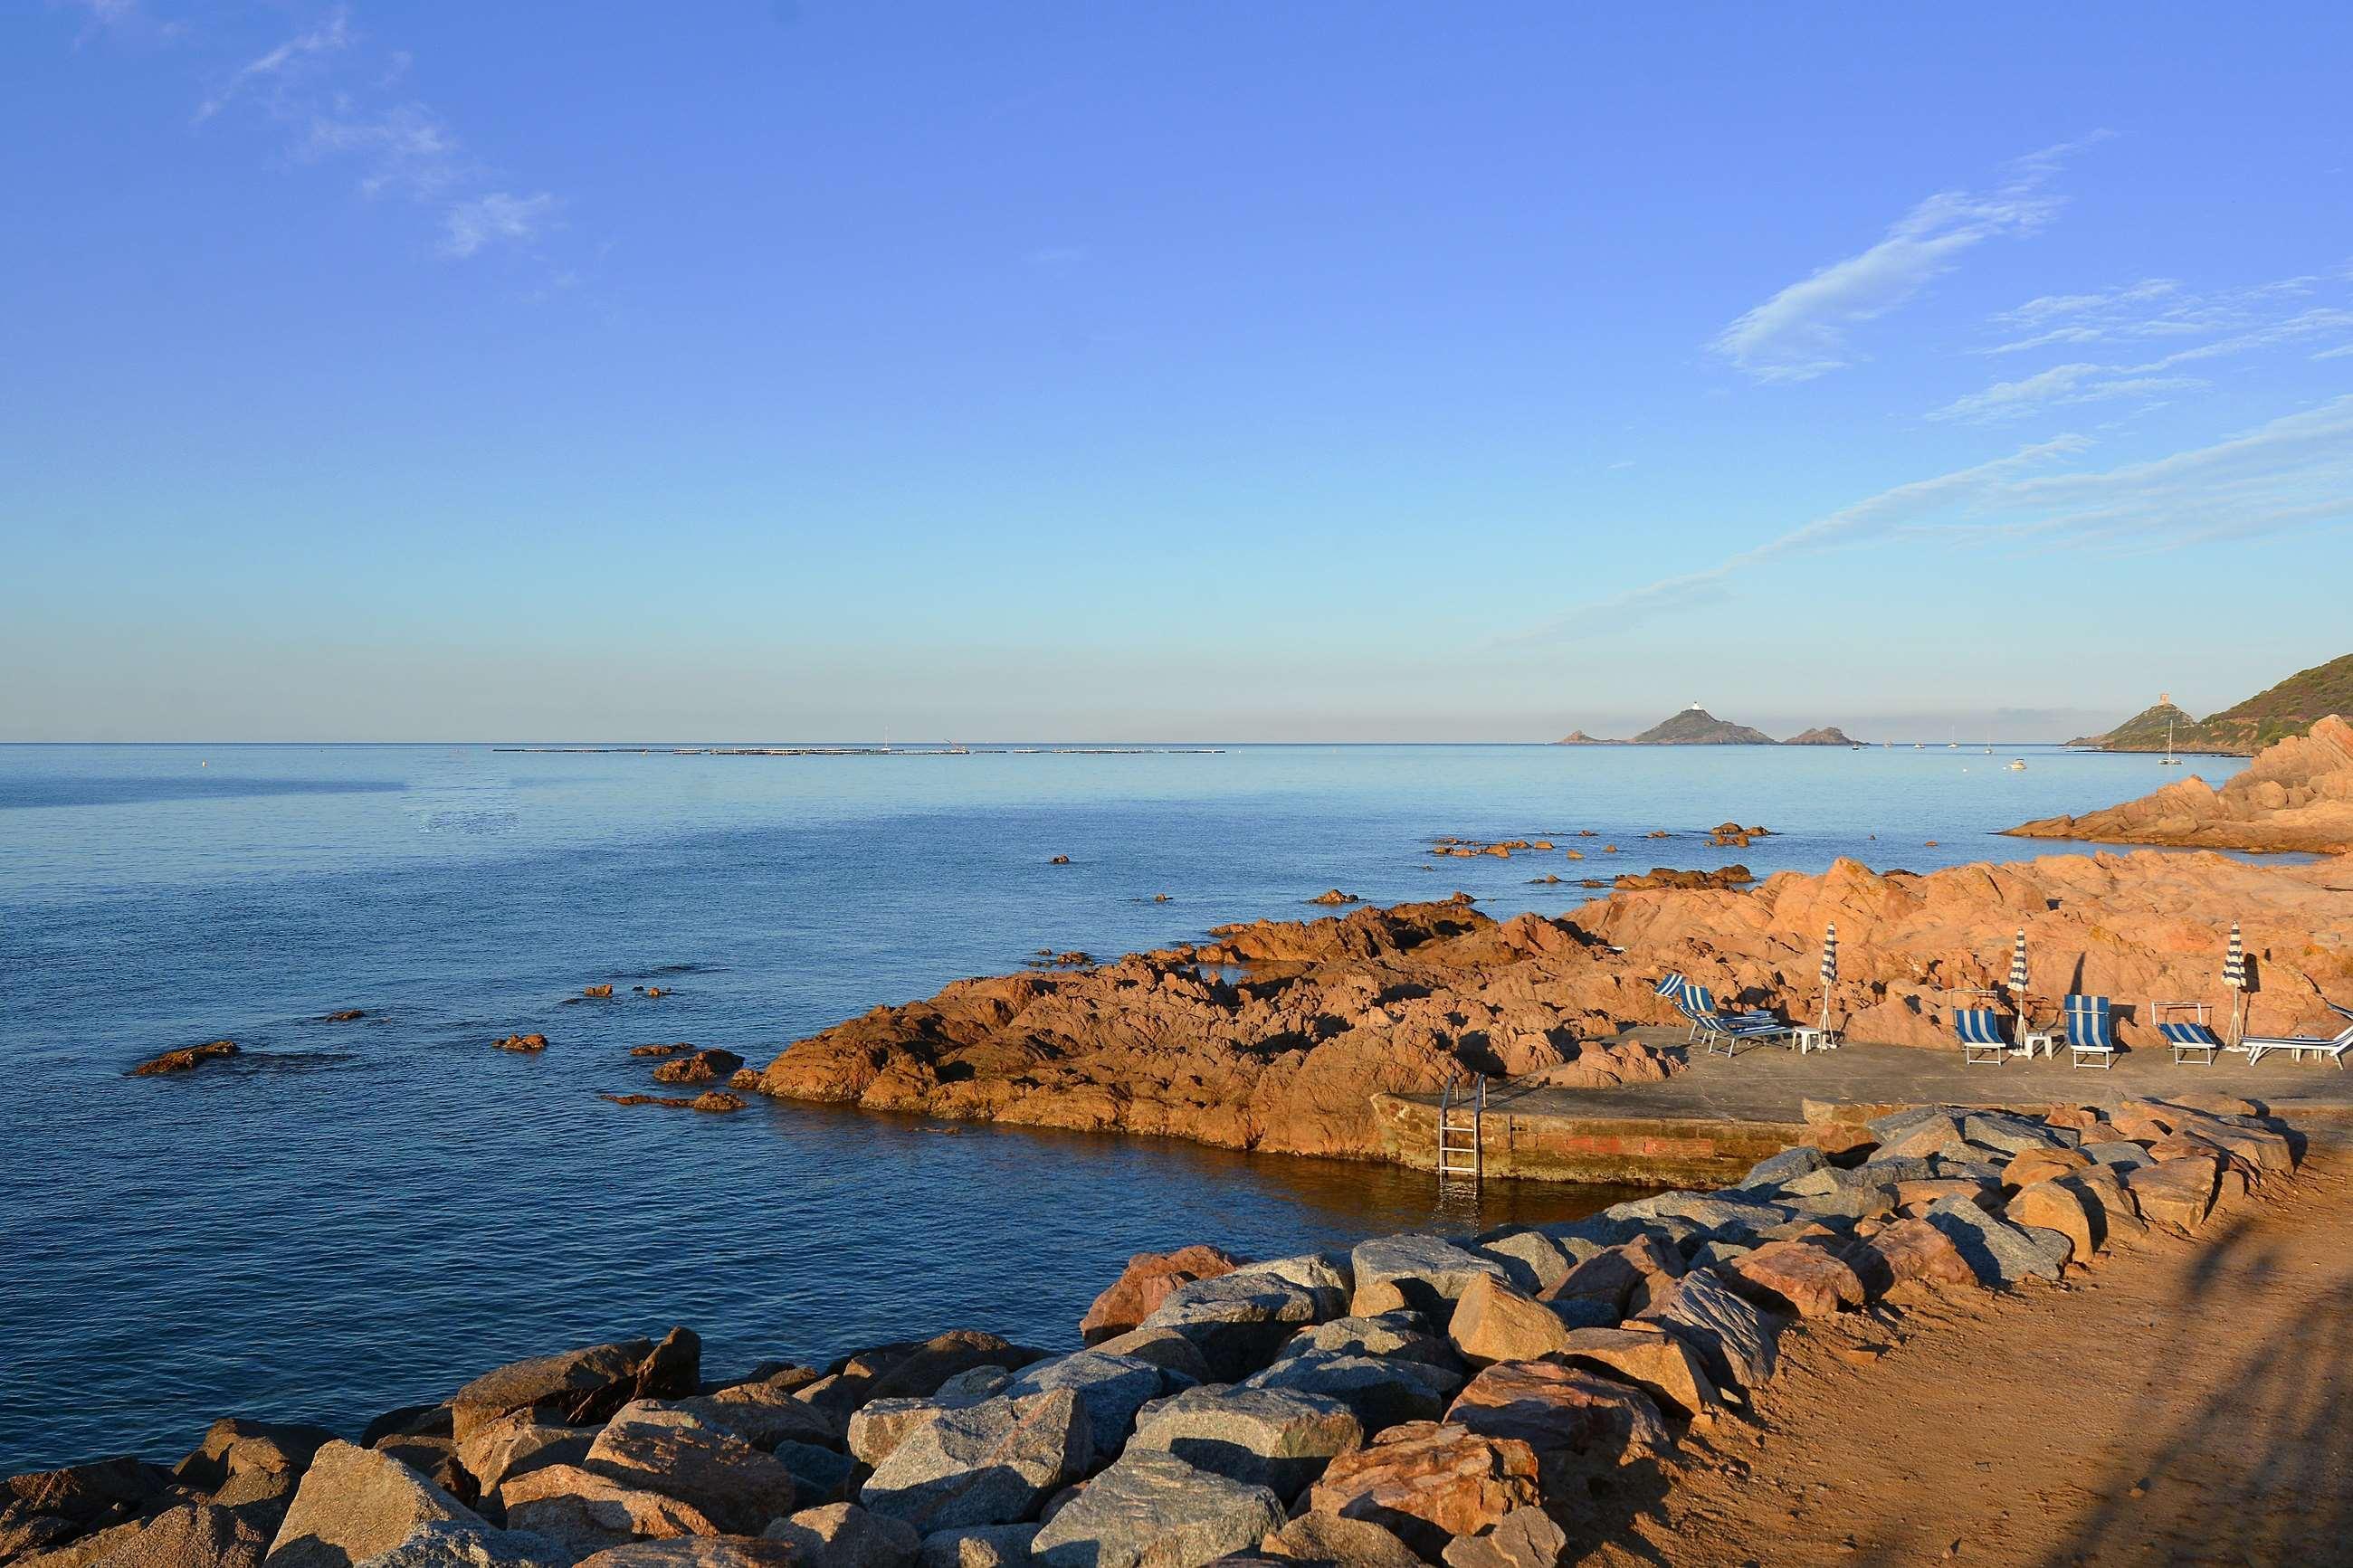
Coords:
pixel 2183 1401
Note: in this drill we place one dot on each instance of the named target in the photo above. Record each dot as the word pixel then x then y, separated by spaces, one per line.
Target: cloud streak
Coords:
pixel 2294 472
pixel 1804 330
pixel 498 216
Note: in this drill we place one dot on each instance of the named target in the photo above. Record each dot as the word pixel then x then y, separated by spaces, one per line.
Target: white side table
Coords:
pixel 2030 1041
pixel 1808 1039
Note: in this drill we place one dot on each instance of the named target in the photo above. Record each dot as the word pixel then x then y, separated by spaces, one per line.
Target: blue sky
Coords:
pixel 1236 372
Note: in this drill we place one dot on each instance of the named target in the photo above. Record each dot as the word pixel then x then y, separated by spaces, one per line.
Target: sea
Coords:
pixel 351 1217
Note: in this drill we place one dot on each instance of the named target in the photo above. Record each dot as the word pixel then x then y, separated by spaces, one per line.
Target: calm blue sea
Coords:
pixel 356 1216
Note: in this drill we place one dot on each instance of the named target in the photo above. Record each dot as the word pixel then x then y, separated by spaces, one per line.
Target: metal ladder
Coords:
pixel 1462 1143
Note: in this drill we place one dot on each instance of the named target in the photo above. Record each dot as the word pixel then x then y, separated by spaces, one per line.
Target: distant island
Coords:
pixel 2286 709
pixel 1696 726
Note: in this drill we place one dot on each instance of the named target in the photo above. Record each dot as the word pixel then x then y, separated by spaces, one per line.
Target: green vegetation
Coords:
pixel 2288 709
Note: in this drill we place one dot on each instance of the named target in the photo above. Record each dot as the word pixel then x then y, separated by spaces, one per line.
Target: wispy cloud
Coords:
pixel 2061 385
pixel 498 217
pixel 123 19
pixel 331 36
pixel 1803 330
pixel 332 95
pixel 2154 308
pixel 2294 472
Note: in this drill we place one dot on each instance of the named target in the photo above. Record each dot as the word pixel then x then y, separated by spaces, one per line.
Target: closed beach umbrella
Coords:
pixel 2018 975
pixel 1829 969
pixel 2234 975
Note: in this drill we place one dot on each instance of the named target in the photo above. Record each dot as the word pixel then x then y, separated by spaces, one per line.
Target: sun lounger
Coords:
pixel 2189 1038
pixel 1979 1030
pixel 1715 1028
pixel 2300 1045
pixel 2091 1033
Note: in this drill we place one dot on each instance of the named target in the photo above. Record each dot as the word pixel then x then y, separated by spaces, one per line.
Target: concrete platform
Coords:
pixel 1708 1124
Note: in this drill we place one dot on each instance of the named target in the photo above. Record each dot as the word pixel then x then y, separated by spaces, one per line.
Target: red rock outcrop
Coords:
pixel 1332 1011
pixel 2294 795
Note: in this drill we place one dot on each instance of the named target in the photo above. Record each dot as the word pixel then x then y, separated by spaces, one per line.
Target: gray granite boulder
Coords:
pixel 978 1546
pixel 1775 1169
pixel 1424 1273
pixel 1239 1320
pixel 1153 1504
pixel 2015 1135
pixel 1273 1437
pixel 1380 1390
pixel 356 1503
pixel 1405 1335
pixel 1330 1272
pixel 2118 1153
pixel 1535 1261
pixel 993 1463
pixel 1736 1342
pixel 2000 1254
pixel 1112 1387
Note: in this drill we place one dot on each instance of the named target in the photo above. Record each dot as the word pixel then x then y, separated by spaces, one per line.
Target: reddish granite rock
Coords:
pixel 185 1058
pixel 2052 1206
pixel 2176 1193
pixel 1145 1282
pixel 1908 1249
pixel 1798 1274
pixel 1426 1482
pixel 2295 795
pixel 1493 1322
pixel 1550 1405
pixel 1651 1359
pixel 708 1066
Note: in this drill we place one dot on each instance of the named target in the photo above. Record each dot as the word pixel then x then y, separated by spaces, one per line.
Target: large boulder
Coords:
pixel 190 1535
pixel 661 1448
pixel 243 1463
pixel 1112 1387
pixel 1153 1507
pixel 2000 1254
pixel 1797 1275
pixel 1424 1273
pixel 1523 1538
pixel 1736 1340
pixel 1652 1359
pixel 1555 1407
pixel 879 1426
pixel 843 1535
pixel 2052 1206
pixel 1427 1483
pixel 944 1356
pixel 991 1464
pixel 1271 1437
pixel 1239 1320
pixel 1493 1321
pixel 50 1507
pixel 355 1504
pixel 2014 1134
pixel 1622 1279
pixel 567 1385
pixel 1905 1250
pixel 1326 1538
pixel 1533 1260
pixel 586 1510
pixel 1380 1391
pixel 978 1546
pixel 2177 1194
pixel 1405 1335
pixel 517 1444
pixel 1145 1283
pixel 765 1415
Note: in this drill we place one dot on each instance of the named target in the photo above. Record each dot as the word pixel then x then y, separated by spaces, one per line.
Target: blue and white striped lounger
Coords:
pixel 1979 1029
pixel 2091 1034
pixel 2188 1039
pixel 1716 1029
pixel 2299 1046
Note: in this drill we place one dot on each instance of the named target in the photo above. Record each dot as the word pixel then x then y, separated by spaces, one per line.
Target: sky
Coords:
pixel 767 370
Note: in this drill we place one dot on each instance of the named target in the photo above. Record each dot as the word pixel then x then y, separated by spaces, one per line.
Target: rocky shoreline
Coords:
pixel 2296 796
pixel 1472 1401
pixel 1276 1036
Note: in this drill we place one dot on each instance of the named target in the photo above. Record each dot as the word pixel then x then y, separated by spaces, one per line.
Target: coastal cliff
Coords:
pixel 1322 1015
pixel 2297 795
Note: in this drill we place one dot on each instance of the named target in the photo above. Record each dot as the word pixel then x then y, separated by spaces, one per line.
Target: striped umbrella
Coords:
pixel 2234 975
pixel 1830 970
pixel 2018 975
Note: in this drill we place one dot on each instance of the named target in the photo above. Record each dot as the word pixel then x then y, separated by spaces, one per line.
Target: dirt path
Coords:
pixel 2182 1401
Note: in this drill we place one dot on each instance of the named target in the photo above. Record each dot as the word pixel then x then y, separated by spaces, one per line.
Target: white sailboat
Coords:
pixel 2170 760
